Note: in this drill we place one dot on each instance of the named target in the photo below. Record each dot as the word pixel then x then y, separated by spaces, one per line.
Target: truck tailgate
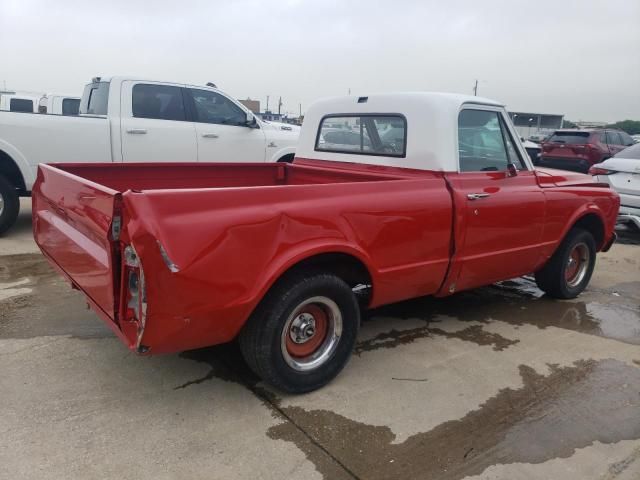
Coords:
pixel 72 225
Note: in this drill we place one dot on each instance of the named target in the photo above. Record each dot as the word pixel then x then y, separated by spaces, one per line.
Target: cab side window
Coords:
pixel 484 143
pixel 211 107
pixel 162 102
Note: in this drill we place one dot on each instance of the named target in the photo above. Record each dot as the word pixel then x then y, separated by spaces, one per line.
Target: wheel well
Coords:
pixel 11 172
pixel 288 158
pixel 345 266
pixel 592 224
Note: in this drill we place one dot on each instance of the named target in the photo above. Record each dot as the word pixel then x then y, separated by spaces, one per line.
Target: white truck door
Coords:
pixel 154 125
pixel 221 129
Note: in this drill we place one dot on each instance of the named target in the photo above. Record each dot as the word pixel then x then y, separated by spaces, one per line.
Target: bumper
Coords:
pixel 574 164
pixel 629 215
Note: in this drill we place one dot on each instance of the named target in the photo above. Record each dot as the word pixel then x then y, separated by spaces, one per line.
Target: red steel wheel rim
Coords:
pixel 301 350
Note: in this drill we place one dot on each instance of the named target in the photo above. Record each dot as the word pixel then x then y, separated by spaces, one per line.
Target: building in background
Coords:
pixel 253 105
pixel 584 124
pixel 536 126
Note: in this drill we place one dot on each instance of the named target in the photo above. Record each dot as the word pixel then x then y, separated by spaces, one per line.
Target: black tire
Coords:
pixel 9 205
pixel 262 338
pixel 552 278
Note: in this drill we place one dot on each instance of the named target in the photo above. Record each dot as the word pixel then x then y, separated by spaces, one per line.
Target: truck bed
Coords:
pixel 161 176
pixel 221 234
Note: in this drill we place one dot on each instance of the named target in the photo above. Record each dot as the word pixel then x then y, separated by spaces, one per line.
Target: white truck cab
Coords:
pixel 53 104
pixel 26 102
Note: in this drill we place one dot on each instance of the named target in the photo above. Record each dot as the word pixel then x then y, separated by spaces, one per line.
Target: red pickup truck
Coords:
pixel 390 197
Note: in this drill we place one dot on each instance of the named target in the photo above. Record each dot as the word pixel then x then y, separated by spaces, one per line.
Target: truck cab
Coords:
pixel 173 122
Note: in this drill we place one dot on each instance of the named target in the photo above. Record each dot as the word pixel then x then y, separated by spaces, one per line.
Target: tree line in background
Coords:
pixel 632 127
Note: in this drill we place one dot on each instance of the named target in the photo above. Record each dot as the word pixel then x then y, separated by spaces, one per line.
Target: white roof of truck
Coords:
pixel 432 127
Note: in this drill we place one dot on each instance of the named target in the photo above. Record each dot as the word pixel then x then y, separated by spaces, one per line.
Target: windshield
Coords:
pixel 570 138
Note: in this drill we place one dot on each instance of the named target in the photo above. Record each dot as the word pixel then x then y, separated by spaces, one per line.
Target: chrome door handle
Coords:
pixel 137 131
pixel 210 135
pixel 477 196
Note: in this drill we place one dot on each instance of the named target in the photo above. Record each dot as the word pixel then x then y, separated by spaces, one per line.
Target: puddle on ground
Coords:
pixel 518 302
pixel 45 304
pixel 549 417
pixel 394 338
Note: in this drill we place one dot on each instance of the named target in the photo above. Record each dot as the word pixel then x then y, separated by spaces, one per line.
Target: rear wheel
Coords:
pixel 568 271
pixel 302 334
pixel 9 205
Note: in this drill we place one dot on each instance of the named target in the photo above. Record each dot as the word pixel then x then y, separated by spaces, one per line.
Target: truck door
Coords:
pixel 154 125
pixel 221 129
pixel 500 207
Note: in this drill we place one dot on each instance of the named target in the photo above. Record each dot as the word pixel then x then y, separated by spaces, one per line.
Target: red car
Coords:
pixel 437 196
pixel 578 150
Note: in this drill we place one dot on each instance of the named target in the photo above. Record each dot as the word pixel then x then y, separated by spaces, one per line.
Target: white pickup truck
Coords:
pixel 59 105
pixel 132 120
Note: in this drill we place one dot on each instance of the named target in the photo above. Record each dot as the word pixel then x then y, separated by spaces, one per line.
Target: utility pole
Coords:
pixel 267 107
pixel 279 104
pixel 349 91
pixel 300 110
pixel 475 89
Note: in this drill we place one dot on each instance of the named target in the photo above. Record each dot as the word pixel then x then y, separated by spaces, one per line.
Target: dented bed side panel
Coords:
pixel 209 256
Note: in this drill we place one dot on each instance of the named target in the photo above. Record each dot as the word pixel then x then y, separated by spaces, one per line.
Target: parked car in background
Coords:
pixel 636 137
pixel 622 173
pixel 578 150
pixel 440 198
pixel 131 120
pixel 533 150
pixel 19 102
pixel 59 104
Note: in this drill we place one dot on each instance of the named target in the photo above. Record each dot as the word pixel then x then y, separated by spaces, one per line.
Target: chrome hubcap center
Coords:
pixel 1 204
pixel 303 328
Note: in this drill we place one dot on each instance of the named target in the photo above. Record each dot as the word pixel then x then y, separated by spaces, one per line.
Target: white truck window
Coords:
pixel 211 107
pixel 484 143
pixel 163 102
pixel 70 106
pixel 96 97
pixel 21 105
pixel 363 134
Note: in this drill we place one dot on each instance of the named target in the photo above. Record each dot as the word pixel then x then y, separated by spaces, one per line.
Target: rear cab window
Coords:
pixel 363 134
pixel 21 105
pixel 570 138
pixel 70 106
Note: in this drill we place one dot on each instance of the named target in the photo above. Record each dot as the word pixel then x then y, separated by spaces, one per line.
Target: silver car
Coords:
pixel 622 173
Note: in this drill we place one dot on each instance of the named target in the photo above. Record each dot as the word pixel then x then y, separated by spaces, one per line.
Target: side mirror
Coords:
pixel 512 171
pixel 251 120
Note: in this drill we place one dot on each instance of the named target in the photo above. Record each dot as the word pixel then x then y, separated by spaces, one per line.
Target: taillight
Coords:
pixel 595 170
pixel 136 294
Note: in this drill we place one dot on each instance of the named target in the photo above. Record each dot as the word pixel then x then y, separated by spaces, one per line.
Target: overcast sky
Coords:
pixel 578 58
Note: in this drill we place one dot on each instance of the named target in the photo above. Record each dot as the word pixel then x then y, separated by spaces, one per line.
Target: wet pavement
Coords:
pixel 498 382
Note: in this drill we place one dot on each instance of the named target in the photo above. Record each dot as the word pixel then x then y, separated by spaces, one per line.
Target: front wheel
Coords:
pixel 568 271
pixel 303 332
